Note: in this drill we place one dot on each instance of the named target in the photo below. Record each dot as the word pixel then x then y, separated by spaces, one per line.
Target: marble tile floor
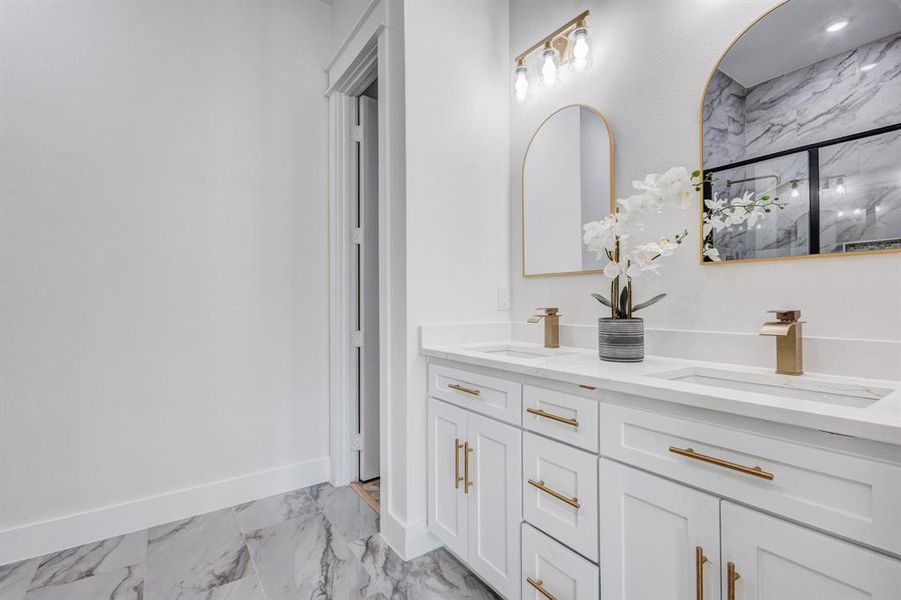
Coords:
pixel 318 542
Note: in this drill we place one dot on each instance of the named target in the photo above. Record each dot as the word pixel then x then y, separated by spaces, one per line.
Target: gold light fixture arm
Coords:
pixel 576 21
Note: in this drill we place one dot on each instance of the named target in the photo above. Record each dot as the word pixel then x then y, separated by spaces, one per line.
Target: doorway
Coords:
pixel 365 296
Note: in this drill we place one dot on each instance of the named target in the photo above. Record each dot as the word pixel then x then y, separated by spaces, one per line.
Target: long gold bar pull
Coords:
pixel 457 478
pixel 538 412
pixel 700 559
pixel 539 585
pixel 574 502
pixel 731 577
pixel 465 390
pixel 690 453
pixel 466 482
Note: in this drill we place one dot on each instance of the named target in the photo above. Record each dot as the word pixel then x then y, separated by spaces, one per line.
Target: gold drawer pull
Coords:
pixel 465 390
pixel 542 413
pixel 457 478
pixel 690 453
pixel 731 577
pixel 539 585
pixel 574 502
pixel 700 559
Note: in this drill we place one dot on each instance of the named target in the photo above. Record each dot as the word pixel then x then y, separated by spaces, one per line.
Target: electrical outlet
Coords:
pixel 503 298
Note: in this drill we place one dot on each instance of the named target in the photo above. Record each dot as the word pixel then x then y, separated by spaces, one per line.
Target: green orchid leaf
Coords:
pixel 602 300
pixel 653 300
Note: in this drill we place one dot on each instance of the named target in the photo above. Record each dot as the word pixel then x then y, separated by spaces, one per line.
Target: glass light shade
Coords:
pixel 580 49
pixel 521 86
pixel 795 193
pixel 840 186
pixel 549 67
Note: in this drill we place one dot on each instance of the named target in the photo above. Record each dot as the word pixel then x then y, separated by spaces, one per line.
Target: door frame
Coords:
pixel 364 53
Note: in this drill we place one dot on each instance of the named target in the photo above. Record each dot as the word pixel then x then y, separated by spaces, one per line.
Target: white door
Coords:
pixel 368 261
pixel 448 507
pixel 495 503
pixel 655 537
pixel 549 567
pixel 773 559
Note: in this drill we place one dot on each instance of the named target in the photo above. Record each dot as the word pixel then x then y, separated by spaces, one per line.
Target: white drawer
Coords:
pixel 852 496
pixel 557 570
pixel 560 492
pixel 566 417
pixel 491 396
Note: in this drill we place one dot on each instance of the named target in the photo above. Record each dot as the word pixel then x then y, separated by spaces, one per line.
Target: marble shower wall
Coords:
pixel 822 101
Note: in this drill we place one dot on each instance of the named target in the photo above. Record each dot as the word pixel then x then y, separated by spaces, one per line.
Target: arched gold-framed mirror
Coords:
pixel 804 106
pixel 567 180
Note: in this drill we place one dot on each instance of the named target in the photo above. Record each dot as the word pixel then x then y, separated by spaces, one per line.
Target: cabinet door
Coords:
pixel 777 559
pixel 447 502
pixel 651 533
pixel 495 503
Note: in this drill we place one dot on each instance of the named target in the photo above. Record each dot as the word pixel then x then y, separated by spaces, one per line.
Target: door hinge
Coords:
pixel 356 235
pixel 356 339
pixel 356 133
pixel 356 442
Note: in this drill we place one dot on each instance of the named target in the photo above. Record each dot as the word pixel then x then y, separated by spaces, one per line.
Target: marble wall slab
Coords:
pixel 822 101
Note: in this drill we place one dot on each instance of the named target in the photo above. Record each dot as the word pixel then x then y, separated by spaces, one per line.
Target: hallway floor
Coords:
pixel 318 542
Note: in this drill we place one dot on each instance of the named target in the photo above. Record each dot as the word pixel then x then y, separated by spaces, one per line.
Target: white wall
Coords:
pixel 345 14
pixel 457 116
pixel 651 63
pixel 164 257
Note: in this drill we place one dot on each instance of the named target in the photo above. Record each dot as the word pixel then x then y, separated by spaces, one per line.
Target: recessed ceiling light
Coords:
pixel 837 26
pixel 868 66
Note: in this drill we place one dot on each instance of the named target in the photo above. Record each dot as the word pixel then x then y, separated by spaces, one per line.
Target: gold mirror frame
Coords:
pixel 701 166
pixel 522 191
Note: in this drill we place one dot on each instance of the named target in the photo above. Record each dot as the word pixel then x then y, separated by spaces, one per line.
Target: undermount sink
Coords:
pixel 800 387
pixel 520 351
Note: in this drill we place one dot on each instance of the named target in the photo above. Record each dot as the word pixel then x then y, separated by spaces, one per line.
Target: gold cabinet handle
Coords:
pixel 465 390
pixel 731 577
pixel 457 478
pixel 574 502
pixel 690 453
pixel 700 559
pixel 466 482
pixel 539 585
pixel 543 413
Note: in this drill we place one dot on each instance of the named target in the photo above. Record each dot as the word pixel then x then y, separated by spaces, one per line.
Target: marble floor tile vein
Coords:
pixel 70 565
pixel 320 542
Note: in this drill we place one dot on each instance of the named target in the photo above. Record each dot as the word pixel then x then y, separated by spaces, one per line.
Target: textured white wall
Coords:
pixel 164 251
pixel 457 117
pixel 652 61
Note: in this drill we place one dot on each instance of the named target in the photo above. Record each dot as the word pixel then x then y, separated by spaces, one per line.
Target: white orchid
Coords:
pixel 720 213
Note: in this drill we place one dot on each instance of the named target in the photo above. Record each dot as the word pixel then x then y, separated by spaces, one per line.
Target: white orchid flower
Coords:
pixel 612 270
pixel 712 253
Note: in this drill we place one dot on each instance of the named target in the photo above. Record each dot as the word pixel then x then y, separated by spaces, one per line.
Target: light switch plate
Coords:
pixel 503 298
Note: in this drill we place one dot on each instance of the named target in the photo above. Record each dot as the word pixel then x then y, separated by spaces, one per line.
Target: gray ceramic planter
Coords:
pixel 621 340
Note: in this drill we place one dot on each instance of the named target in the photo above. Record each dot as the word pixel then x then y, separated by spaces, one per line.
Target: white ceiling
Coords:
pixel 794 36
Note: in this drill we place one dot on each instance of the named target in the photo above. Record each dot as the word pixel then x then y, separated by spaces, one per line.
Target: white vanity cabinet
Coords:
pixel 474 495
pixel 659 540
pixel 566 490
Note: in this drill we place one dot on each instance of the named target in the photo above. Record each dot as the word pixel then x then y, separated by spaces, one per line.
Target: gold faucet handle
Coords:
pixel 549 311
pixel 787 316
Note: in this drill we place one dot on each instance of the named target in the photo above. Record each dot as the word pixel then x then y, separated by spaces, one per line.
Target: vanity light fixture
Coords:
pixel 521 87
pixel 837 26
pixel 567 45
pixel 869 66
pixel 548 66
pixel 840 186
pixel 795 193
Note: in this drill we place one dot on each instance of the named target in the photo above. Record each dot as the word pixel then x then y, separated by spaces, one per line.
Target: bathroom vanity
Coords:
pixel 554 475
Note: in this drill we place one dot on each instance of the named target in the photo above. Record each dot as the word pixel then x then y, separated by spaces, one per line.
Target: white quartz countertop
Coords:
pixel 879 420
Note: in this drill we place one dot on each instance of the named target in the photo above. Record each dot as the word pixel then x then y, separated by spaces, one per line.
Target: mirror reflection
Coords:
pixel 567 180
pixel 806 107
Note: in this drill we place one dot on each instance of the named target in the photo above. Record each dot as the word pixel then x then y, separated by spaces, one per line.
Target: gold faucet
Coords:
pixel 787 329
pixel 551 325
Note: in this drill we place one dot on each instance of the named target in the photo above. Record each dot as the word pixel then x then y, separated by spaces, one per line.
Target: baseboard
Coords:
pixel 409 541
pixel 35 539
